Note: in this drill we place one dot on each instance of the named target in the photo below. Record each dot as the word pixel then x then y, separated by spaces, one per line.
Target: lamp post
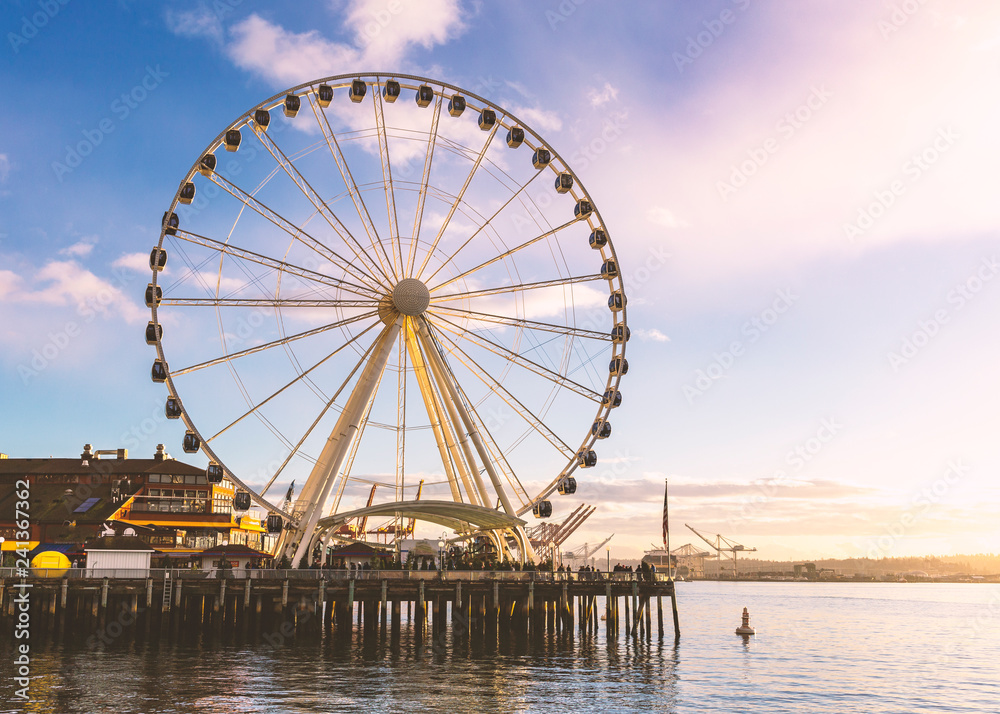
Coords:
pixel 441 554
pixel 609 560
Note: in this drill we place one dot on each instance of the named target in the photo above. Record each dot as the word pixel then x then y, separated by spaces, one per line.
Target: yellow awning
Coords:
pixel 12 544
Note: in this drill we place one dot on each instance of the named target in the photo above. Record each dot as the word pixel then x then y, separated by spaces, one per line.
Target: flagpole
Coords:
pixel 666 526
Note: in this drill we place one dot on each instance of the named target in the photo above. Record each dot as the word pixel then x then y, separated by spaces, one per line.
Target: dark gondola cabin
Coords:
pixel 291 107
pixel 157 259
pixel 187 193
pixel 583 208
pixel 612 398
pixel 214 473
pixel 564 182
pixel 170 223
pixel 567 486
pixel 159 371
pixel 324 95
pixel 390 93
pixel 425 95
pixel 542 509
pixel 241 501
pixel 172 409
pixel 275 523
pixel 358 90
pixel 541 158
pixel 609 269
pixel 207 165
pixel 487 118
pixel 601 429
pixel 153 332
pixel 262 118
pixel 456 105
pixel 620 333
pixel 617 300
pixel 191 443
pixel 233 139
pixel 618 366
pixel 586 459
pixel 598 239
pixel 515 137
pixel 153 295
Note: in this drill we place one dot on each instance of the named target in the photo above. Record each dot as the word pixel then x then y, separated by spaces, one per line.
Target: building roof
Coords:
pixel 235 549
pixel 107 467
pixel 61 503
pixel 118 543
pixel 357 550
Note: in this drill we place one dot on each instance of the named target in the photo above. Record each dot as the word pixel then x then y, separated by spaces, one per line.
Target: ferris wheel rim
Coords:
pixel 377 79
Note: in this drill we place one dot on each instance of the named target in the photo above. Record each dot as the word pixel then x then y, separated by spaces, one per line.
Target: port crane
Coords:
pixel 721 545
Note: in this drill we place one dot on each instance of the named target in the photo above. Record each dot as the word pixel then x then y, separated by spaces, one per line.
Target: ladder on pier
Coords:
pixel 168 589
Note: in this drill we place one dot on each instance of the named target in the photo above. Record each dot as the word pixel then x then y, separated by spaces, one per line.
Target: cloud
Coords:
pixel 80 249
pixel 652 335
pixel 65 283
pixel 133 261
pixel 539 118
pixel 200 22
pixel 4 168
pixel 383 36
pixel 605 95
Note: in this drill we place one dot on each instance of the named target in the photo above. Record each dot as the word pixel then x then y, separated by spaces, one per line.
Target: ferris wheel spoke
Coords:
pixel 505 254
pixel 274 343
pixel 424 182
pixel 314 198
pixel 326 408
pixel 352 187
pixel 401 420
pixel 558 282
pixel 278 265
pixel 513 402
pixel 254 407
pixel 458 198
pixel 473 315
pixel 294 231
pixel 266 302
pixel 390 190
pixel 520 360
pixel 488 221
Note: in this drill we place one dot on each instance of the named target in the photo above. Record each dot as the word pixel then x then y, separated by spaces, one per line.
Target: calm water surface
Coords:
pixel 819 648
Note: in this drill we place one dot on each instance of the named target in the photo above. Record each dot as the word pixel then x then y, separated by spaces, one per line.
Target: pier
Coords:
pixel 286 604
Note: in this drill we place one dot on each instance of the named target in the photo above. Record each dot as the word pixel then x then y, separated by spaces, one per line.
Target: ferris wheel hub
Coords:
pixel 411 297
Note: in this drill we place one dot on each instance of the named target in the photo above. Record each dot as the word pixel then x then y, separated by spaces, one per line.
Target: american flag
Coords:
pixel 666 527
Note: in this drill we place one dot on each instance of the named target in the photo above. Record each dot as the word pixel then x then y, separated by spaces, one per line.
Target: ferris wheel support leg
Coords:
pixel 336 449
pixel 435 358
pixel 435 414
pixel 448 396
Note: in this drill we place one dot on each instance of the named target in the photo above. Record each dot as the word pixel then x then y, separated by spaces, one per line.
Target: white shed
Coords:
pixel 118 557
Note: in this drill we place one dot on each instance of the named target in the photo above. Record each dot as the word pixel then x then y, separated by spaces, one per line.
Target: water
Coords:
pixel 865 647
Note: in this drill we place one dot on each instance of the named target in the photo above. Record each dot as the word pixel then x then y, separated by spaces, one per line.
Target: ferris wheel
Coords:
pixel 395 292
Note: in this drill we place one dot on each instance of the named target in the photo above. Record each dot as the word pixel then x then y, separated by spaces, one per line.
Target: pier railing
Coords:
pixel 329 575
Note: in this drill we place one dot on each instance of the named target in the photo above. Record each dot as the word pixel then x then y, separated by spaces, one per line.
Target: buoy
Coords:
pixel 745 629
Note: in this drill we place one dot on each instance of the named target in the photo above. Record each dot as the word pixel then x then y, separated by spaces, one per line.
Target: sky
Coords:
pixel 802 198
